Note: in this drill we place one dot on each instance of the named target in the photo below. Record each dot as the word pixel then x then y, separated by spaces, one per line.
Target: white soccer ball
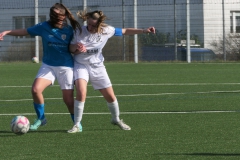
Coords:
pixel 35 60
pixel 20 125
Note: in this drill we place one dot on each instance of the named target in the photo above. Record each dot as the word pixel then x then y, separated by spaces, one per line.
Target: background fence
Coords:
pixel 212 25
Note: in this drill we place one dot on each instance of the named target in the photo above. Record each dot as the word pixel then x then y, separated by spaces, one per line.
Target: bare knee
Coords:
pixel 39 85
pixel 36 90
pixel 108 94
pixel 68 101
pixel 81 98
pixel 68 97
pixel 81 95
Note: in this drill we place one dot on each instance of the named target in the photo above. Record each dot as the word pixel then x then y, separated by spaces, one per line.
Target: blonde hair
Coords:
pixel 96 15
pixel 64 11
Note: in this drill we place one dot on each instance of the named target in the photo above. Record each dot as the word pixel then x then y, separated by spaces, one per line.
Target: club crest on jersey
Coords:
pixel 98 38
pixel 94 38
pixel 63 36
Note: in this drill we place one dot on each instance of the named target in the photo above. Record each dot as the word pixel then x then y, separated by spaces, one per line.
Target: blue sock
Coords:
pixel 39 108
pixel 72 116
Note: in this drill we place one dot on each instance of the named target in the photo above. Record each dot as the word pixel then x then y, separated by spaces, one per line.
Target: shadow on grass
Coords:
pixel 48 131
pixel 6 134
pixel 201 154
pixel 10 133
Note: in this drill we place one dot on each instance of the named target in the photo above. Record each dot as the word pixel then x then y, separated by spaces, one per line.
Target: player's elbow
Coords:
pixel 72 48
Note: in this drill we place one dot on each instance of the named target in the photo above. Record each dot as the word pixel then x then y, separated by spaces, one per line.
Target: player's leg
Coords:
pixel 44 78
pixel 64 76
pixel 102 83
pixel 113 106
pixel 81 79
pixel 112 102
pixel 38 87
pixel 68 99
pixel 81 89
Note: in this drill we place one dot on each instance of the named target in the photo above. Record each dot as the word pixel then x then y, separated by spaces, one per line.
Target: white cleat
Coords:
pixel 75 129
pixel 121 125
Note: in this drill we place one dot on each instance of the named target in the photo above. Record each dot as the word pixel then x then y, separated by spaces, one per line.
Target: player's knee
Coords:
pixel 36 90
pixel 81 96
pixel 111 99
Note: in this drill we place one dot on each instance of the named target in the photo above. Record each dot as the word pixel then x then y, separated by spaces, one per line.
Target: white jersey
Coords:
pixel 94 44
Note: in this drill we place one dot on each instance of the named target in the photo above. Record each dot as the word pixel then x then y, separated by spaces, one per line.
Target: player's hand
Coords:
pixel 149 30
pixel 81 47
pixel 2 35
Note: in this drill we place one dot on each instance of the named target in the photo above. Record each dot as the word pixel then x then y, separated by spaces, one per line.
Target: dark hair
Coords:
pixel 63 11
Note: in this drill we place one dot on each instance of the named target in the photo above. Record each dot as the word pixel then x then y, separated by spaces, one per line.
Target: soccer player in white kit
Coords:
pixel 57 61
pixel 88 66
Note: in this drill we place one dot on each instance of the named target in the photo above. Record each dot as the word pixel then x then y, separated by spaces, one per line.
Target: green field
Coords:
pixel 176 111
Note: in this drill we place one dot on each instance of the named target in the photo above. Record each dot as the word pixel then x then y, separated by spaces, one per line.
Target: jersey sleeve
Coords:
pixel 35 30
pixel 111 31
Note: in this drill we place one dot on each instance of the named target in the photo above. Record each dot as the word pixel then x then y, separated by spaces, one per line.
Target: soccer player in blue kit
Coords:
pixel 57 62
pixel 89 63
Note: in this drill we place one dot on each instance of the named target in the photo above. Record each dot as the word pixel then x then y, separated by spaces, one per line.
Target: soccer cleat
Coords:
pixel 122 125
pixel 80 127
pixel 37 123
pixel 75 129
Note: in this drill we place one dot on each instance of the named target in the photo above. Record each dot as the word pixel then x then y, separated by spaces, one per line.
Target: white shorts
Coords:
pixel 97 75
pixel 64 75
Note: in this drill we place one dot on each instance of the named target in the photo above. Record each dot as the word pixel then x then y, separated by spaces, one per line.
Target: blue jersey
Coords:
pixel 55 43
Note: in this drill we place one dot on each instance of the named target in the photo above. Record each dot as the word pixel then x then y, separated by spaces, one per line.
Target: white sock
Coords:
pixel 78 112
pixel 114 109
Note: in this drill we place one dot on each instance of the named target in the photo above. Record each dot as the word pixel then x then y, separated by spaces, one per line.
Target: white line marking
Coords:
pixel 179 84
pixel 157 84
pixel 104 113
pixel 133 95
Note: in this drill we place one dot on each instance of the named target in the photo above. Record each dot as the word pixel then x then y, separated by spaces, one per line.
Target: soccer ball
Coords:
pixel 35 60
pixel 20 125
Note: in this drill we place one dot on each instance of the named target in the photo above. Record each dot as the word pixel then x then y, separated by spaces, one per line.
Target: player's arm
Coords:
pixel 73 48
pixel 17 32
pixel 77 48
pixel 132 31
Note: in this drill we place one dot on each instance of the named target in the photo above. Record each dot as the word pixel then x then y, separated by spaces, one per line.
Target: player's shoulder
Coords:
pixel 44 23
pixel 108 29
pixel 41 24
pixel 38 26
pixel 80 32
pixel 68 28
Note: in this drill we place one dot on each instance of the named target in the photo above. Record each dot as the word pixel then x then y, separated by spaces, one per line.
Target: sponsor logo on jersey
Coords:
pixel 50 36
pixel 56 44
pixel 93 51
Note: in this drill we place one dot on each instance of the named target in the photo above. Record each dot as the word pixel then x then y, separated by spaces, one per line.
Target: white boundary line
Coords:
pixel 157 84
pixel 104 113
pixel 133 95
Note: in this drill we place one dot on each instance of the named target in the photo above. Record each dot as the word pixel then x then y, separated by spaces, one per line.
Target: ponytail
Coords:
pixel 74 23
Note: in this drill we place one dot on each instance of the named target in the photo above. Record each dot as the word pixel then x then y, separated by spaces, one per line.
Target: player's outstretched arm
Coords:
pixel 17 32
pixel 132 31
